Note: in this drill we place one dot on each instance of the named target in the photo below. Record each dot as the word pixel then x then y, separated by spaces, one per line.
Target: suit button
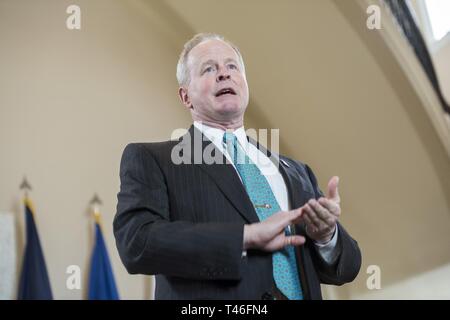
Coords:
pixel 267 296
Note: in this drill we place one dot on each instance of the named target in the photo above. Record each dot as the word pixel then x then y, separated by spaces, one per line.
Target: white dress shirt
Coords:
pixel 329 251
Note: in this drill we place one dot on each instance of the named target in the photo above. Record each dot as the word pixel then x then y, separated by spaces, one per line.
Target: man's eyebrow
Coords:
pixel 211 61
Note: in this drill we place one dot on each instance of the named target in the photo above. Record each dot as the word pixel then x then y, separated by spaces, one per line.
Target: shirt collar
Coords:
pixel 216 134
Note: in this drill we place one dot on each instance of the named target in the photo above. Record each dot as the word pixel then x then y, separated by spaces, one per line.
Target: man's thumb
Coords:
pixel 332 192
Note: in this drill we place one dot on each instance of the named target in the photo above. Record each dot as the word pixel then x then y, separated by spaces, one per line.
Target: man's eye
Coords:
pixel 232 66
pixel 208 69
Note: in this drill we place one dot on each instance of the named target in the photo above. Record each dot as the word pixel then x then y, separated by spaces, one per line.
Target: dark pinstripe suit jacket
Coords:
pixel 184 224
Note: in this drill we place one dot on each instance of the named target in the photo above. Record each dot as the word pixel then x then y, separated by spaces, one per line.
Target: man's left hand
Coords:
pixel 321 215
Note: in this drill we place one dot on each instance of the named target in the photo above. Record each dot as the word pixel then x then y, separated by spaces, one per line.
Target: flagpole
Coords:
pixel 26 187
pixel 95 206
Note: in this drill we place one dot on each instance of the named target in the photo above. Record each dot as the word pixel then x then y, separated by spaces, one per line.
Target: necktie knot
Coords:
pixel 229 138
pixel 230 141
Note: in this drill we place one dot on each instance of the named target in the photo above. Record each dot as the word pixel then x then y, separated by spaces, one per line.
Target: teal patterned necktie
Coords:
pixel 258 189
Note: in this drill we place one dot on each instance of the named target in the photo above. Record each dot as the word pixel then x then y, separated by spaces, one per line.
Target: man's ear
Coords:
pixel 184 97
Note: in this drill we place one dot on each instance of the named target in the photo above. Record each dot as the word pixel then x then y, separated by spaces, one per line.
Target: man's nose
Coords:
pixel 223 75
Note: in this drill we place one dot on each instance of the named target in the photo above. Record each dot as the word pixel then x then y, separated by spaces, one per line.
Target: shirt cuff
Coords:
pixel 329 250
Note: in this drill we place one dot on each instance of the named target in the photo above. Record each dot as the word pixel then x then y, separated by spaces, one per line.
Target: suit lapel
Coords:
pixel 226 178
pixel 295 184
pixel 224 175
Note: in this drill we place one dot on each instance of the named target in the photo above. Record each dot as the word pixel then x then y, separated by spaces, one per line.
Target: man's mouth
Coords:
pixel 225 91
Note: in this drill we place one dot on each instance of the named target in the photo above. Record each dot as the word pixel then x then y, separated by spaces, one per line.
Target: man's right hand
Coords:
pixel 269 235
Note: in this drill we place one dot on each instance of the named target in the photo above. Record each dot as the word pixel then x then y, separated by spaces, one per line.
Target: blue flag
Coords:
pixel 101 279
pixel 34 282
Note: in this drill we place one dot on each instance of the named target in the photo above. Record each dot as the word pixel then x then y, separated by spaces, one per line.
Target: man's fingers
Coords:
pixel 332 207
pixel 323 214
pixel 298 216
pixel 312 217
pixel 308 221
pixel 294 241
pixel 282 219
pixel 293 216
pixel 332 190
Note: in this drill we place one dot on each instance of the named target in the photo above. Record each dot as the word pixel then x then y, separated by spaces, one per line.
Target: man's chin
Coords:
pixel 229 108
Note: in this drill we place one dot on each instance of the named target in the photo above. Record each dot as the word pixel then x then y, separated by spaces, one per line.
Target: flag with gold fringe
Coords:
pixel 34 281
pixel 102 285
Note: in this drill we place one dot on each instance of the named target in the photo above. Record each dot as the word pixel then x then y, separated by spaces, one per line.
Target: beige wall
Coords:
pixel 69 103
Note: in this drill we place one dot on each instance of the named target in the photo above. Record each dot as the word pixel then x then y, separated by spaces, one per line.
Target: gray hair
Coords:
pixel 182 68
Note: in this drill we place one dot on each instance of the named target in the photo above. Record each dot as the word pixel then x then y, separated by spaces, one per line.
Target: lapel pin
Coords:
pixel 264 205
pixel 284 162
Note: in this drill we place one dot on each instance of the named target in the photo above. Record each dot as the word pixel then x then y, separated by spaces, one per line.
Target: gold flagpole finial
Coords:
pixel 96 203
pixel 25 186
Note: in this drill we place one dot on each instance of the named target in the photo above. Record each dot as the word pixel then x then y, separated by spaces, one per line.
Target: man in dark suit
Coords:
pixel 210 217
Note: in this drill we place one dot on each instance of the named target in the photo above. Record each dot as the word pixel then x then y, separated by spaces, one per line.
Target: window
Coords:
pixel 439 17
